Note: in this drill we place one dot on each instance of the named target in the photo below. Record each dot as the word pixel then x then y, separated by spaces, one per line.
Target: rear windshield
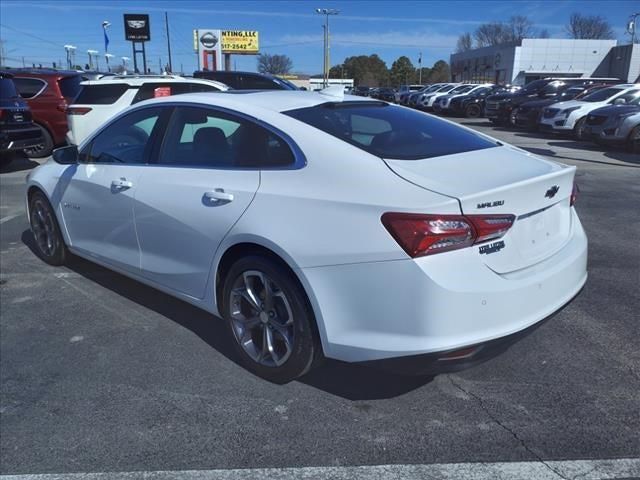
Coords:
pixel 389 131
pixel 70 86
pixel 7 88
pixel 106 94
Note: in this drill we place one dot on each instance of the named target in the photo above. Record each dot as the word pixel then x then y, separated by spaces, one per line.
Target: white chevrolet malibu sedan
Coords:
pixel 317 224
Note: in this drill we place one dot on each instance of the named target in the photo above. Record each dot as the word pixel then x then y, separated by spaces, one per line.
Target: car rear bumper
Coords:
pixel 20 138
pixel 445 302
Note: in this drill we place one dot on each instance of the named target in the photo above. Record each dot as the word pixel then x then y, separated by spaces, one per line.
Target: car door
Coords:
pixel 202 181
pixel 97 194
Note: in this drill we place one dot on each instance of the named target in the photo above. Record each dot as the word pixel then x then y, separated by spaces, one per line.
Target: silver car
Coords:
pixel 616 125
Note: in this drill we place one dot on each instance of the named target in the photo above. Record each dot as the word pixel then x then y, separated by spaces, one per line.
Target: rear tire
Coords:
pixel 269 318
pixel 49 242
pixel 43 149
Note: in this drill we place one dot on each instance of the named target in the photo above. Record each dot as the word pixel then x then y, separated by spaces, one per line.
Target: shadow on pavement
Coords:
pixel 16 162
pixel 350 381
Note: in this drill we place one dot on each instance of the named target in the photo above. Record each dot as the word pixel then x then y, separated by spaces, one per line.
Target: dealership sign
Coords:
pixel 244 42
pixel 136 27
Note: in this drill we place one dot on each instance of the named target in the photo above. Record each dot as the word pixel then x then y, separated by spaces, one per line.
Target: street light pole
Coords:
pixel 326 62
pixel 91 54
pixel 70 49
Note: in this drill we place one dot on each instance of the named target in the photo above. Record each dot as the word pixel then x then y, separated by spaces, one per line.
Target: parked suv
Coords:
pixel 442 104
pixel 616 125
pixel 100 100
pixel 246 80
pixel 570 117
pixel 17 131
pixel 471 105
pixel 48 93
pixel 498 108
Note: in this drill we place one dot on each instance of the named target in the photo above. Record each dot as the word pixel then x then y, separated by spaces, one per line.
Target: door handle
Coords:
pixel 219 195
pixel 121 184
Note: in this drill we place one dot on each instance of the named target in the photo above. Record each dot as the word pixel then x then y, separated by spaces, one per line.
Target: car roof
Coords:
pixel 275 100
pixel 138 80
pixel 30 72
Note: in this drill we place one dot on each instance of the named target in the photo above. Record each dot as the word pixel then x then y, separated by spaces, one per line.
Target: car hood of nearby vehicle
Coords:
pixel 572 103
pixel 611 110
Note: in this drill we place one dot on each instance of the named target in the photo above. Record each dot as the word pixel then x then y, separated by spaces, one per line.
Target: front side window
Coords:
pixel 629 96
pixel 127 140
pixel 389 131
pixel 601 95
pixel 203 137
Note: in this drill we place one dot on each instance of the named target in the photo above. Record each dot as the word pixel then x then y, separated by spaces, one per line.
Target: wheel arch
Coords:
pixel 259 246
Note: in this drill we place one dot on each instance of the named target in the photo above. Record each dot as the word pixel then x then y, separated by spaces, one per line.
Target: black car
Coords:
pixel 362 91
pixel 472 105
pixel 246 80
pixel 17 130
pixel 528 114
pixel 386 94
pixel 498 108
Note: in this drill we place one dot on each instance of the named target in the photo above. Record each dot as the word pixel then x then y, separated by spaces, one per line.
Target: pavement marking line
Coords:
pixel 9 217
pixel 623 468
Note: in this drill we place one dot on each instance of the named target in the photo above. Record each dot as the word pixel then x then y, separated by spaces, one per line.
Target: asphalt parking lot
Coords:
pixel 100 373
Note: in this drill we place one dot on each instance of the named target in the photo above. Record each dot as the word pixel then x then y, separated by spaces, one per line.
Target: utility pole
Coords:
pixel 70 49
pixel 91 53
pixel 420 68
pixel 166 24
pixel 326 62
pixel 631 26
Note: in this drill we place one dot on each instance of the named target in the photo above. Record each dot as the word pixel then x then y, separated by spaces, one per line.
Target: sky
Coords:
pixel 38 30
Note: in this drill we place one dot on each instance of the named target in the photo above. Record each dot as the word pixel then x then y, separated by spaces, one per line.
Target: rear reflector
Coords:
pixel 459 354
pixel 575 193
pixel 420 235
pixel 78 110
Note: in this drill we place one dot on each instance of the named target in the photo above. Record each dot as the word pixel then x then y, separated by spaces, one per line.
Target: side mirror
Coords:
pixel 619 101
pixel 66 155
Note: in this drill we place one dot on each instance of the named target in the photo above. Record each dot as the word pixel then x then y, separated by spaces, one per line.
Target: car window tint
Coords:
pixel 101 94
pixel 29 87
pixel 627 97
pixel 251 82
pixel 207 138
pixel 70 86
pixel 601 95
pixel 126 140
pixel 391 131
pixel 160 89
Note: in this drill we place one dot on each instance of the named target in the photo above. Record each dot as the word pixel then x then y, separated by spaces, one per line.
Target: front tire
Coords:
pixel 633 144
pixel 49 242
pixel 473 111
pixel 578 129
pixel 269 318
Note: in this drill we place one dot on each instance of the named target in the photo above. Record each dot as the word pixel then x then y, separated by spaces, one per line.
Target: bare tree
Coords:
pixel 544 33
pixel 465 43
pixel 489 34
pixel 274 64
pixel 589 27
pixel 519 27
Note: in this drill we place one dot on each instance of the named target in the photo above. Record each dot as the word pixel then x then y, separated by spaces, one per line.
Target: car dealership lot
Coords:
pixel 100 373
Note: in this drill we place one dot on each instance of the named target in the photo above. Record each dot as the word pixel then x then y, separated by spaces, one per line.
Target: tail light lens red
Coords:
pixel 420 235
pixel 575 193
pixel 78 110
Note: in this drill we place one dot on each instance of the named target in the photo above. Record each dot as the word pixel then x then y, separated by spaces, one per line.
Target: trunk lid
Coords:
pixel 503 180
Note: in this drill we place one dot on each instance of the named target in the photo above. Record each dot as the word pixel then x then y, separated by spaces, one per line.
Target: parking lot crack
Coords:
pixel 497 421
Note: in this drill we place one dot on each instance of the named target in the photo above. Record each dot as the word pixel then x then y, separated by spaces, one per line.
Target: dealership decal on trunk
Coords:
pixel 491 247
pixel 495 203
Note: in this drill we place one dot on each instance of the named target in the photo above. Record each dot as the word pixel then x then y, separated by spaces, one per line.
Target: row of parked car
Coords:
pixel 41 109
pixel 598 109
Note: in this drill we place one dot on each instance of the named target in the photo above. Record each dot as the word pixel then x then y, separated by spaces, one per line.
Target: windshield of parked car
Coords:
pixel 601 95
pixel 7 88
pixel 463 89
pixel 533 87
pixel 446 88
pixel 389 131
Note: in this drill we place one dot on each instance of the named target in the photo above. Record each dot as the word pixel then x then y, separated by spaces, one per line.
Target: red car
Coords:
pixel 48 93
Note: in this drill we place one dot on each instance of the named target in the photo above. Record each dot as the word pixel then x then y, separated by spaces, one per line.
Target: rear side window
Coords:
pixel 601 95
pixel 389 131
pixel 7 88
pixel 29 87
pixel 70 86
pixel 254 82
pixel 101 94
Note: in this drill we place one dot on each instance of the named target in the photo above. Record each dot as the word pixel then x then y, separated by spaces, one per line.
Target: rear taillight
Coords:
pixel 420 235
pixel 78 110
pixel 575 193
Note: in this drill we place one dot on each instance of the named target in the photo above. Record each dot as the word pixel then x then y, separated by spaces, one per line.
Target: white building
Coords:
pixel 534 58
